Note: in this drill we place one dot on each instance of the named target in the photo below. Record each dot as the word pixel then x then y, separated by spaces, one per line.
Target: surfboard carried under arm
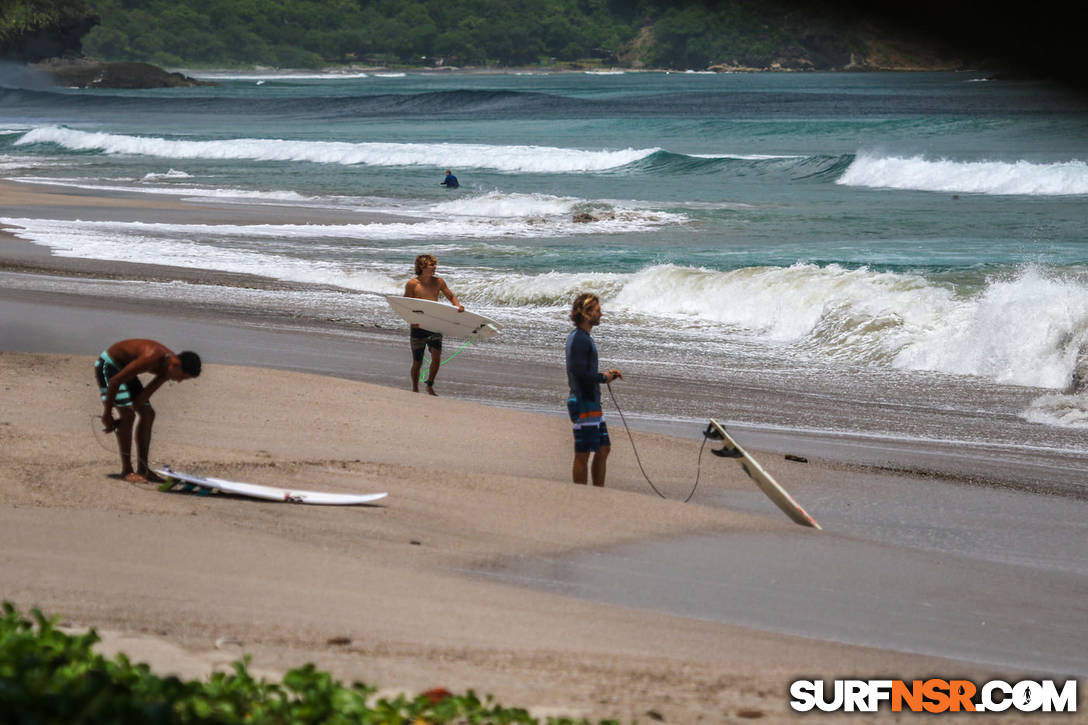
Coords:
pixel 443 318
pixel 767 484
pixel 207 484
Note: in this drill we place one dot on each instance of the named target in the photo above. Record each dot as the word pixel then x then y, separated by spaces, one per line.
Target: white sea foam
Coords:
pixel 171 174
pixel 549 290
pixel 977 177
pixel 499 205
pixel 102 241
pixel 747 157
pixel 125 235
pixel 1023 330
pixel 783 304
pixel 536 159
pixel 184 191
pixel 1066 411
pixel 273 76
pixel 22 163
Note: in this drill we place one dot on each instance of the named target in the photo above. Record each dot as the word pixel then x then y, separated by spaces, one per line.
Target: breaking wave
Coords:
pixel 533 159
pixel 1025 329
pixel 969 177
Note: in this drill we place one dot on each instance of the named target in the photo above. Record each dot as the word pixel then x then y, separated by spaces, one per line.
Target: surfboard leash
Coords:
pixel 95 432
pixel 427 365
pixel 698 462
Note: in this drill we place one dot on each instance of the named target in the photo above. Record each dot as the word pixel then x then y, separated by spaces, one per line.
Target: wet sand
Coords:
pixel 485 567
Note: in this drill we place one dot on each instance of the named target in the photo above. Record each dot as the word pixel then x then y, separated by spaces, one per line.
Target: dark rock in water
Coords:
pixel 584 217
pixel 84 73
pixel 1079 383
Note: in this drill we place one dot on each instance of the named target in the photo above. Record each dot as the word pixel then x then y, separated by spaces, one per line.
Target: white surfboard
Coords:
pixel 267 493
pixel 766 483
pixel 444 318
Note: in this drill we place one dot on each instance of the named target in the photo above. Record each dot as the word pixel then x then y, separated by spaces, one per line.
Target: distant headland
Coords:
pixel 66 38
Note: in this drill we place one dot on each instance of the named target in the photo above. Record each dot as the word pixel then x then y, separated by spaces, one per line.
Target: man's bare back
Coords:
pixel 117 372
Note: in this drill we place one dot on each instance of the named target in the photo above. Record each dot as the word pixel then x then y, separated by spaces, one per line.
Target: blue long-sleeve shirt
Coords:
pixel 585 381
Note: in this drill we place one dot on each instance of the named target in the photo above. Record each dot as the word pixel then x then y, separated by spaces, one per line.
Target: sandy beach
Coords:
pixel 485 568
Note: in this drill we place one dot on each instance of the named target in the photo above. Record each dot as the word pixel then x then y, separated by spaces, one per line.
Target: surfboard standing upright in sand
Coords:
pixel 766 483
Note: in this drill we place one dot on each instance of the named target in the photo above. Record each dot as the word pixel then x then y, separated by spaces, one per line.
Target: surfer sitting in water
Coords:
pixel 117 370
pixel 426 286
pixel 450 182
pixel 584 404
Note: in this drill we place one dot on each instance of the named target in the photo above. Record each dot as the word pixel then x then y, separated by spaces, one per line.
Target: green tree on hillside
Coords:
pixel 312 32
pixel 18 16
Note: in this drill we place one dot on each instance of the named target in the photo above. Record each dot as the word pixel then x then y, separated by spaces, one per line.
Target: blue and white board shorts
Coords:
pixel 104 369
pixel 590 430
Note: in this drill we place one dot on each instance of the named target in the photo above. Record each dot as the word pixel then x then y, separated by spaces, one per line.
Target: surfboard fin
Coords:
pixel 727 451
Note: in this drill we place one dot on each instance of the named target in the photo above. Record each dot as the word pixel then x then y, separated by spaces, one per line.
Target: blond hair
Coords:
pixel 422 261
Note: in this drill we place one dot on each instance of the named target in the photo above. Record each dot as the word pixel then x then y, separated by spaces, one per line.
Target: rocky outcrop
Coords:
pixel 87 73
pixel 52 44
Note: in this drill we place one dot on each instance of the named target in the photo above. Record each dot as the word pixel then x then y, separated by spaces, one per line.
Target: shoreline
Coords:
pixel 580 601
pixel 654 400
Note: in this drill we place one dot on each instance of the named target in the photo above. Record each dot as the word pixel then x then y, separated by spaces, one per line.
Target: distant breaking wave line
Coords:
pixel 969 177
pixel 747 157
pixel 284 76
pixel 530 159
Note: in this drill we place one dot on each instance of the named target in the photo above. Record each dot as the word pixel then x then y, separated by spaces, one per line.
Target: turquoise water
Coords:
pixel 908 224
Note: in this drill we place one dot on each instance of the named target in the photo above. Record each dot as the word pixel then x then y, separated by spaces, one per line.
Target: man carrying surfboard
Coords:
pixel 116 371
pixel 426 286
pixel 584 404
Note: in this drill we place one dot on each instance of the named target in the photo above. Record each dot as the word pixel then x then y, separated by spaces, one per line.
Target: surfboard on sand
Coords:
pixel 267 493
pixel 767 484
pixel 444 318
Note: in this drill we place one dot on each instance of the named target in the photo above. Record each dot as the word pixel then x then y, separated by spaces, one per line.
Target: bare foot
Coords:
pixel 430 391
pixel 135 478
pixel 154 477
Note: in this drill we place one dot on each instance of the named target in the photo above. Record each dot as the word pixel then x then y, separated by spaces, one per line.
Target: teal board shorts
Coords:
pixel 104 369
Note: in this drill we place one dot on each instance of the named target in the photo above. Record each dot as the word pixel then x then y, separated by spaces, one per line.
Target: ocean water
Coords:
pixel 863 235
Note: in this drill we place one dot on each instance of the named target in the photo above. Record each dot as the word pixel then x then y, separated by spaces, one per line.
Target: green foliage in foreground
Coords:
pixel 47 676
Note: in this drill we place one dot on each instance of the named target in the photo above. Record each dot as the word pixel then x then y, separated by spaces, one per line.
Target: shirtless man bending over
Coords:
pixel 116 371
pixel 426 286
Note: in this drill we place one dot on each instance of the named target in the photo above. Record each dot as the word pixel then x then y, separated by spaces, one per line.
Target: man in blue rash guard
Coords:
pixel 584 404
pixel 450 182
